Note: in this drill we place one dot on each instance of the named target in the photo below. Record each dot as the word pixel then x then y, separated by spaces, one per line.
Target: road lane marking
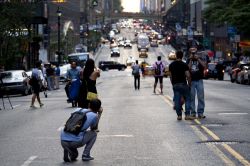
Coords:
pixel 233 113
pixel 14 106
pixel 121 135
pixel 228 148
pixel 234 153
pixel 167 101
pixel 213 148
pixel 209 132
pixel 29 161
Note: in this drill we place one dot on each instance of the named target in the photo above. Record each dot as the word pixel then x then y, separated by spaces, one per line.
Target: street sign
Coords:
pixel 231 30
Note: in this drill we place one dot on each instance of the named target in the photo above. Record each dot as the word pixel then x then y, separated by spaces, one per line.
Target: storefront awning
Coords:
pixel 245 44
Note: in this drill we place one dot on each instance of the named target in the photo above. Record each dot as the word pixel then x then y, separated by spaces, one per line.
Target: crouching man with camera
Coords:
pixel 79 130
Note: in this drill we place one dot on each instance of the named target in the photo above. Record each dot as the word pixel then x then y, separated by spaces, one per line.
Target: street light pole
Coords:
pixel 95 4
pixel 59 14
pixel 96 32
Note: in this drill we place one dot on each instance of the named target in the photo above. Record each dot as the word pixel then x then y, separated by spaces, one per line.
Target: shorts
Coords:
pixel 36 89
pixel 159 78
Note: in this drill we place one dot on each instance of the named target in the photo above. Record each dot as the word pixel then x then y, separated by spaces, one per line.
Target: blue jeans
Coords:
pixel 181 90
pixel 50 80
pixel 197 87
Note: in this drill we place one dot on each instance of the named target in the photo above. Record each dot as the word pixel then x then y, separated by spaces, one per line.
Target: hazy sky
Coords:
pixel 131 5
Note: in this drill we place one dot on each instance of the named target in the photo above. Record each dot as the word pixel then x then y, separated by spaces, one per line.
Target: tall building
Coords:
pixel 142 6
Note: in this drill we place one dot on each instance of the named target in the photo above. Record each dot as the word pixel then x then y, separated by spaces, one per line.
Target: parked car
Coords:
pixel 215 71
pixel 16 82
pixel 109 65
pixel 154 43
pixel 235 70
pixel 243 75
pixel 143 53
pixel 115 52
pixel 247 76
pixel 127 43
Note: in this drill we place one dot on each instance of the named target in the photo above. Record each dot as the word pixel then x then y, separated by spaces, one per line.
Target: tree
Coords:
pixel 234 12
pixel 15 20
pixel 117 5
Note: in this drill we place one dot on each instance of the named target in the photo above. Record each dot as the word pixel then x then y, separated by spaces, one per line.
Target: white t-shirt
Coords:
pixel 37 74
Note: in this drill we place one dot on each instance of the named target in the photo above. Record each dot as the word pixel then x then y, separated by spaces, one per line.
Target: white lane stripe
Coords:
pixel 29 161
pixel 233 113
pixel 125 136
pixel 14 106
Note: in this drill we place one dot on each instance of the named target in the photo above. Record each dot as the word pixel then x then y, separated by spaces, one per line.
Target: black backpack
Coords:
pixel 158 69
pixel 75 122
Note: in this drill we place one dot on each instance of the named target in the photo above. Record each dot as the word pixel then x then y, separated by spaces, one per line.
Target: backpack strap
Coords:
pixel 82 130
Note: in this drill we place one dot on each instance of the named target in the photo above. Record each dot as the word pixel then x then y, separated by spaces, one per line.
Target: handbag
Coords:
pixel 91 96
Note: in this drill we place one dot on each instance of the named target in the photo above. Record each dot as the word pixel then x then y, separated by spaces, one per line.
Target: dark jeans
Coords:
pixel 137 82
pixel 70 148
pixel 182 90
pixel 67 89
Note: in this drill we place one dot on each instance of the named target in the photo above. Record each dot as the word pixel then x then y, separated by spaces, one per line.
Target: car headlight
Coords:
pixel 147 46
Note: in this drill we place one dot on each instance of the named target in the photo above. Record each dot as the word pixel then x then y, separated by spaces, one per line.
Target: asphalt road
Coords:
pixel 138 128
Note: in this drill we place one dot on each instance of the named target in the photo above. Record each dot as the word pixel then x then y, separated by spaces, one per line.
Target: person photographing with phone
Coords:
pixel 197 66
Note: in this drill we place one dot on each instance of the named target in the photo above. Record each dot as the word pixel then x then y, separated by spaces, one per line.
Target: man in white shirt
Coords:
pixel 36 78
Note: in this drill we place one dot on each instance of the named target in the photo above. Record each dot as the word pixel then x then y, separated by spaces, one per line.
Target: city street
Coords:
pixel 137 128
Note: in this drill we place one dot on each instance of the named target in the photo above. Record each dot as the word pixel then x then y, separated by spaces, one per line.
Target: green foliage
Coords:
pixel 15 17
pixel 234 12
pixel 93 39
pixel 117 5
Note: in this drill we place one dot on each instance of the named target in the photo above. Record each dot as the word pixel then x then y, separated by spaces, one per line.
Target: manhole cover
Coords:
pixel 221 142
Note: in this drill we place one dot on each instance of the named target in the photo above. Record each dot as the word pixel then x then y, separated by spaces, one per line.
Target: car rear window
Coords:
pixel 5 75
pixel 211 66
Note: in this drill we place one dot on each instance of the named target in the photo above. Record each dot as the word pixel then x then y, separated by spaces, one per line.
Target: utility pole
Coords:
pixel 59 14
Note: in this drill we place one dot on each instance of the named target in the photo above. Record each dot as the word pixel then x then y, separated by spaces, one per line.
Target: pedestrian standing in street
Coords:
pixel 70 141
pixel 50 77
pixel 57 76
pixel 72 74
pixel 159 68
pixel 35 82
pixel 88 90
pixel 197 66
pixel 143 70
pixel 181 81
pixel 136 74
